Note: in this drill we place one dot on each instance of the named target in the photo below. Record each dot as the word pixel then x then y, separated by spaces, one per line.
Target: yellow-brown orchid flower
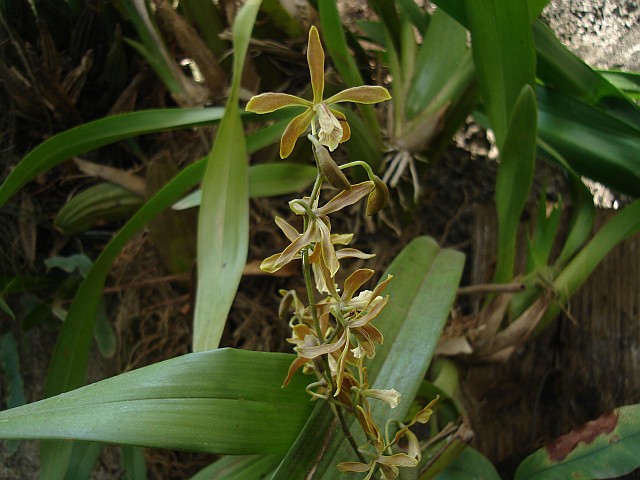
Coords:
pixel 330 124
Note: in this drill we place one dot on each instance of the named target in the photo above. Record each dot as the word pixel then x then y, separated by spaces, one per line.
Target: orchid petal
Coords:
pixel 290 232
pixel 293 368
pixel 370 315
pixel 397 459
pixel 314 351
pixel 346 198
pixel 346 129
pixel 353 467
pixel 296 127
pixel 354 281
pixel 363 94
pixel 269 102
pixel 392 396
pixel 353 253
pixel 279 260
pixel 341 238
pixel 315 59
pixel 328 252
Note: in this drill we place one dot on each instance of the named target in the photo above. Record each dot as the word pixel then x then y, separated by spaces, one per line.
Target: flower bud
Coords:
pixel 379 196
pixel 329 167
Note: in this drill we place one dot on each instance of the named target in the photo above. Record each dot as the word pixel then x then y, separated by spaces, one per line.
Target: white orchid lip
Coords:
pixel 331 130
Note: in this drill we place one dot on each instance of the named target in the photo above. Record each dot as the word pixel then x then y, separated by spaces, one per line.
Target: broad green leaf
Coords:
pixel 421 294
pixel 265 180
pixel 252 467
pixel 221 401
pixel 470 465
pixel 594 143
pixel 98 133
pixel 435 66
pixel 223 222
pixel 415 14
pixel 561 69
pixel 607 447
pixel 78 262
pixel 515 174
pixel 627 82
pixel 504 56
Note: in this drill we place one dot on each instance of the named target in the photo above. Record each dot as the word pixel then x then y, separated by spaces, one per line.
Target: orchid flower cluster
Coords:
pixel 334 336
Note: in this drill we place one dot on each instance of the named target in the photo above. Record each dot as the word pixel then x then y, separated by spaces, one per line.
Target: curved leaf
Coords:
pixel 98 133
pixel 470 465
pixel 221 401
pixel 607 447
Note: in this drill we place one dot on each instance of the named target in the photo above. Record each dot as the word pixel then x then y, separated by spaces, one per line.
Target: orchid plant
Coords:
pixel 335 336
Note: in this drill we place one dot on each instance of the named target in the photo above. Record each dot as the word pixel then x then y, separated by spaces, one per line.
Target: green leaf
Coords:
pixel 562 70
pixel 504 56
pixel 470 465
pixel 70 264
pixel 515 174
pixel 415 14
pixel 627 82
pixel 222 401
pixel 421 294
pixel 223 222
pixel 436 65
pixel 607 447
pixel 83 460
pixel 133 462
pixel 620 227
pixel 104 333
pixel 265 180
pixel 594 143
pixel 98 133
pixel 101 203
pixel 252 467
pixel 10 364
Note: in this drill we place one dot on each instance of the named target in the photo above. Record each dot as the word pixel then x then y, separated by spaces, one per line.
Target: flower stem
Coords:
pixel 347 433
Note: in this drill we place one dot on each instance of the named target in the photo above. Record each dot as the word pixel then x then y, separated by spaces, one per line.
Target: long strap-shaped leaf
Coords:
pixel 223 222
pixel 222 401
pixel 421 294
pixel 98 133
pixel 503 54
